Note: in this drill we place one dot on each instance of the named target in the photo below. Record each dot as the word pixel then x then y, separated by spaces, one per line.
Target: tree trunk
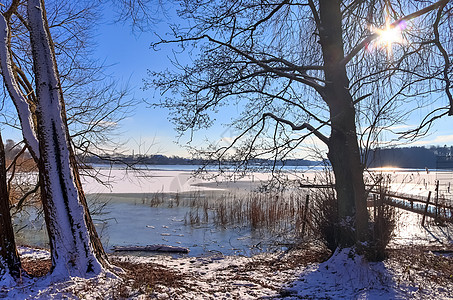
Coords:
pixel 8 252
pixel 75 246
pixel 344 156
pixel 344 152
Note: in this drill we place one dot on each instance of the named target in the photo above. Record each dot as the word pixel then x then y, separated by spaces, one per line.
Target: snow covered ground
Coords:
pixel 293 275
pixel 415 269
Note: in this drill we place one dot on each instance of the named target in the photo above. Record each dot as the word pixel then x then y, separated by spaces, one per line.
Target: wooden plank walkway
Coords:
pixel 434 207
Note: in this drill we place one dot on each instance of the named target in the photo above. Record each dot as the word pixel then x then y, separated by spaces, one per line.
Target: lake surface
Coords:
pixel 131 220
pixel 136 218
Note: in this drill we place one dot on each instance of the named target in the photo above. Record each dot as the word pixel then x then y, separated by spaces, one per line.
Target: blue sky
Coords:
pixel 129 57
pixel 132 57
pixel 149 130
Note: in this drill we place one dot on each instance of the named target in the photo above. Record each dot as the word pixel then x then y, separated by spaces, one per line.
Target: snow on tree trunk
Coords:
pixel 9 258
pixel 75 247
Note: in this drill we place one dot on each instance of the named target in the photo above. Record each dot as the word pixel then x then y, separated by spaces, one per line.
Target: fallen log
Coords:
pixel 152 248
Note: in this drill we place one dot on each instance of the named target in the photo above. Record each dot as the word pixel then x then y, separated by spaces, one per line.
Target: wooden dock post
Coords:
pixel 436 207
pixel 305 214
pixel 426 208
pixel 374 206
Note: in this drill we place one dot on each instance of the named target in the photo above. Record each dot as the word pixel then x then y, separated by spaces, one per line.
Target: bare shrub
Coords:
pixel 382 225
pixel 325 217
pixel 381 232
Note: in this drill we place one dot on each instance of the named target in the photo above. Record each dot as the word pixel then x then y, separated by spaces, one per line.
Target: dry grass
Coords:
pixel 138 278
pixel 36 268
pixel 145 278
pixel 296 257
pixel 427 264
pixel 272 212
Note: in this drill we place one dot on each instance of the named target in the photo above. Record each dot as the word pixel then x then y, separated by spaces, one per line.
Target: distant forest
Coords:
pixel 176 160
pixel 404 157
pixel 434 157
pixel 412 157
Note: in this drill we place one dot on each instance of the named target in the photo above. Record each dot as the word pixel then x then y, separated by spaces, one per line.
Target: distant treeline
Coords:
pixel 140 159
pixel 176 160
pixel 434 157
pixel 412 157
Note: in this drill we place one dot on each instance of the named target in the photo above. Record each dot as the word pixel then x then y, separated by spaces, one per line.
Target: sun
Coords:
pixel 391 34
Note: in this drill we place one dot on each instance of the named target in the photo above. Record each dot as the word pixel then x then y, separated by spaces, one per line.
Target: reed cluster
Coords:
pixel 272 212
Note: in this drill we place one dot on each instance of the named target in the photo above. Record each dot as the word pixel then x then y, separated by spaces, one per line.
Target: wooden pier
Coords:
pixel 433 206
pixel 427 206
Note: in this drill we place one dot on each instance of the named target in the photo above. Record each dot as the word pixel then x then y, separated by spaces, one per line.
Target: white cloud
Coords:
pixel 401 127
pixel 438 140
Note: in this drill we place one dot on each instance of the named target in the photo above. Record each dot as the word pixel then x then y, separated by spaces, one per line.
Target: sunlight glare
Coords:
pixel 390 35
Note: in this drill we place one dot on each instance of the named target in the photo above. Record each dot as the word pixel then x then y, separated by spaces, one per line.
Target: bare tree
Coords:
pixel 296 68
pixel 75 246
pixel 95 102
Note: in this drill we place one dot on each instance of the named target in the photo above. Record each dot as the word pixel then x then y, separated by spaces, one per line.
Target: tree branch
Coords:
pixel 426 123
pixel 310 82
pixel 273 12
pixel 445 57
pixel 12 9
pixel 26 195
pixel 375 35
pixel 294 127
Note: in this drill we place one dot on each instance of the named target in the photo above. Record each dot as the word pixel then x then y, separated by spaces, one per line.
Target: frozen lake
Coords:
pixel 131 217
pixel 136 220
pixel 132 220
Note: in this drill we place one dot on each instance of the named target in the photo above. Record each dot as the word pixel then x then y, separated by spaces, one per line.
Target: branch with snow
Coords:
pixel 19 99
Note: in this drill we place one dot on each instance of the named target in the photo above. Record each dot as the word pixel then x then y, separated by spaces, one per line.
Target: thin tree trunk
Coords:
pixel 75 246
pixel 22 104
pixel 344 153
pixel 8 251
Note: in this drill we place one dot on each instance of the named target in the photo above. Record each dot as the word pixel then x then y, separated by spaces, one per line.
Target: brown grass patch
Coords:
pixel 36 268
pixel 24 164
pixel 294 258
pixel 146 277
pixel 426 263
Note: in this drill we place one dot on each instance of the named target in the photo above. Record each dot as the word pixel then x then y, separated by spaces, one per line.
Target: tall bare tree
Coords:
pixel 95 102
pixel 75 246
pixel 73 239
pixel 296 68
